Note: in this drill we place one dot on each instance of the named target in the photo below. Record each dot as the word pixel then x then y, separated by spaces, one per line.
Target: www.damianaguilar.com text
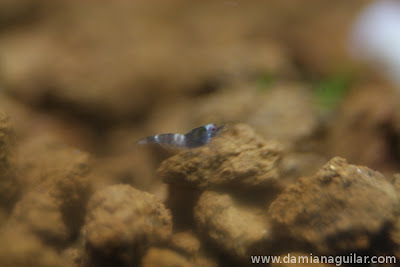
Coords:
pixel 352 258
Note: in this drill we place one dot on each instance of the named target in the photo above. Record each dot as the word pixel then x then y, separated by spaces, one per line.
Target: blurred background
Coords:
pixel 100 75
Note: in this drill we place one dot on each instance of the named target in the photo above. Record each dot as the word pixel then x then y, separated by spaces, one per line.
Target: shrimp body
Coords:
pixel 197 137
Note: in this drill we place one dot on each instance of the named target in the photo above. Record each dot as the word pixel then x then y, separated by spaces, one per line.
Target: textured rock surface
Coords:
pixel 186 242
pixel 394 233
pixel 9 185
pixel 189 245
pixel 167 257
pixel 268 110
pixel 164 257
pixel 365 129
pixel 58 172
pixel 121 222
pixel 20 248
pixel 340 208
pixel 286 113
pixel 239 158
pixel 233 228
pixel 40 214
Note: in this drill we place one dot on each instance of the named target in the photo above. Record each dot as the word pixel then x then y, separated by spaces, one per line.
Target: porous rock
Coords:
pixel 169 257
pixel 237 158
pixel 58 64
pixel 235 229
pixel 73 257
pixel 366 127
pixel 164 257
pixel 188 244
pixel 9 185
pixel 60 174
pixel 21 248
pixel 394 232
pixel 340 208
pixel 274 117
pixel 39 214
pixel 121 222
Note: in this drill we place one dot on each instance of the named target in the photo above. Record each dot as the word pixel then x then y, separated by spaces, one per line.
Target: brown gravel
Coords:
pixel 234 229
pixel 340 208
pixel 20 248
pixel 121 222
pixel 9 185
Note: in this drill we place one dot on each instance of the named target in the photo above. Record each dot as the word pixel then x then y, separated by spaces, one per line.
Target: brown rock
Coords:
pixel 269 112
pixel 239 159
pixel 48 61
pixel 9 185
pixel 294 165
pixel 395 237
pixel 12 12
pixel 156 257
pixel 189 245
pixel 20 248
pixel 40 214
pixel 168 257
pixel 365 129
pixel 394 233
pixel 186 242
pixel 121 222
pixel 60 174
pixel 73 257
pixel 52 160
pixel 341 208
pixel 233 228
pixel 286 114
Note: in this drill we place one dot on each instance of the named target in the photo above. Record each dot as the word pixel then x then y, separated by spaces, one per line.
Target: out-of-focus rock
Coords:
pixel 167 257
pixel 155 257
pixel 66 67
pixel 296 164
pixel 282 111
pixel 394 232
pixel 45 159
pixel 365 130
pixel 395 237
pixel 61 173
pixel 9 185
pixel 20 248
pixel 286 113
pixel 340 208
pixel 122 222
pixel 73 257
pixel 30 123
pixel 40 214
pixel 189 245
pixel 136 168
pixel 230 104
pixel 238 159
pixel 234 229
pixel 319 39
pixel 12 12
pixel 186 242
